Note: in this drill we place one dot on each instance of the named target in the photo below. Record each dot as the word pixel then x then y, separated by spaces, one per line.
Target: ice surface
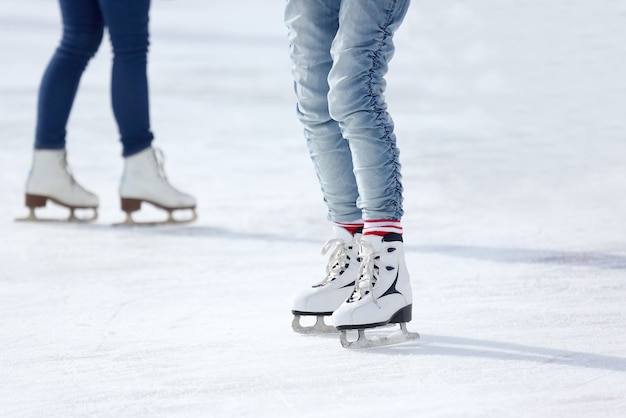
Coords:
pixel 510 120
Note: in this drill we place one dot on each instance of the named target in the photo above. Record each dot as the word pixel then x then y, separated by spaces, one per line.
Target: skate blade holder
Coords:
pixel 319 327
pixel 130 206
pixel 362 341
pixel 72 217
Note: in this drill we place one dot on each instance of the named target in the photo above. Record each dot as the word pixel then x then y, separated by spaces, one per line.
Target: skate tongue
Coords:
pixel 375 241
pixel 342 233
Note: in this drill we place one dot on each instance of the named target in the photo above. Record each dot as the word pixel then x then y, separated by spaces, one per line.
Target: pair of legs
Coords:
pixel 143 179
pixel 83 25
pixel 340 50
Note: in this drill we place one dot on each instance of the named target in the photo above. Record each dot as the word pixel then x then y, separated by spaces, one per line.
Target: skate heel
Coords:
pixel 35 201
pixel 402 316
pixel 130 205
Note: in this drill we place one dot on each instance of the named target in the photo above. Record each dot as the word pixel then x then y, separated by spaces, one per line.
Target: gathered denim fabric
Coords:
pixel 340 50
pixel 83 26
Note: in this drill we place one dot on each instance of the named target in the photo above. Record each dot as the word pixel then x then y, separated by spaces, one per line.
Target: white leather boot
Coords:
pixel 144 180
pixel 323 298
pixel 51 179
pixel 382 294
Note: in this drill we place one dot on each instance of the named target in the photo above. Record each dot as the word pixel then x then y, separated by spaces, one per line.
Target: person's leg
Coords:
pixel 144 177
pixel 49 177
pixel 127 23
pixel 82 34
pixel 361 52
pixel 312 26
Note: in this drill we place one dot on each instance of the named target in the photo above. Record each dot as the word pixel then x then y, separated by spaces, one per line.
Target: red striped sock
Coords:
pixel 352 227
pixel 382 227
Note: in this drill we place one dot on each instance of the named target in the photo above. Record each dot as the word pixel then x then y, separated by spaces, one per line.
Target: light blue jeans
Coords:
pixel 340 50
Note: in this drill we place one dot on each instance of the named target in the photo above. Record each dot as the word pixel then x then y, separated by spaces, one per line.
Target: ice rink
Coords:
pixel 511 123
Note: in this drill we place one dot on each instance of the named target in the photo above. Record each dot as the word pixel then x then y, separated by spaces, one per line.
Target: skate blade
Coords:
pixel 72 218
pixel 130 222
pixel 320 327
pixel 397 337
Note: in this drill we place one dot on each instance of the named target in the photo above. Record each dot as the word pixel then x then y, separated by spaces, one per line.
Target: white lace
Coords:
pixel 366 277
pixel 337 260
pixel 159 159
pixel 68 170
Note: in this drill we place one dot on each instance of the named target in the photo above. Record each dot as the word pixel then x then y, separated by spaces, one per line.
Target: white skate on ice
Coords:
pixel 323 298
pixel 382 295
pixel 144 180
pixel 51 179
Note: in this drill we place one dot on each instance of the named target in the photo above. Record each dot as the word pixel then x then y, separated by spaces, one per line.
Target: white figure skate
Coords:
pixel 323 298
pixel 51 179
pixel 144 180
pixel 382 294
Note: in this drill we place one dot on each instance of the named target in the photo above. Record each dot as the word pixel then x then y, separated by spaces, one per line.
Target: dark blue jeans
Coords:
pixel 83 25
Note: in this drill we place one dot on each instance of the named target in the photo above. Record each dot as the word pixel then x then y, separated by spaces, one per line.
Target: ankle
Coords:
pixel 383 228
pixel 352 228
